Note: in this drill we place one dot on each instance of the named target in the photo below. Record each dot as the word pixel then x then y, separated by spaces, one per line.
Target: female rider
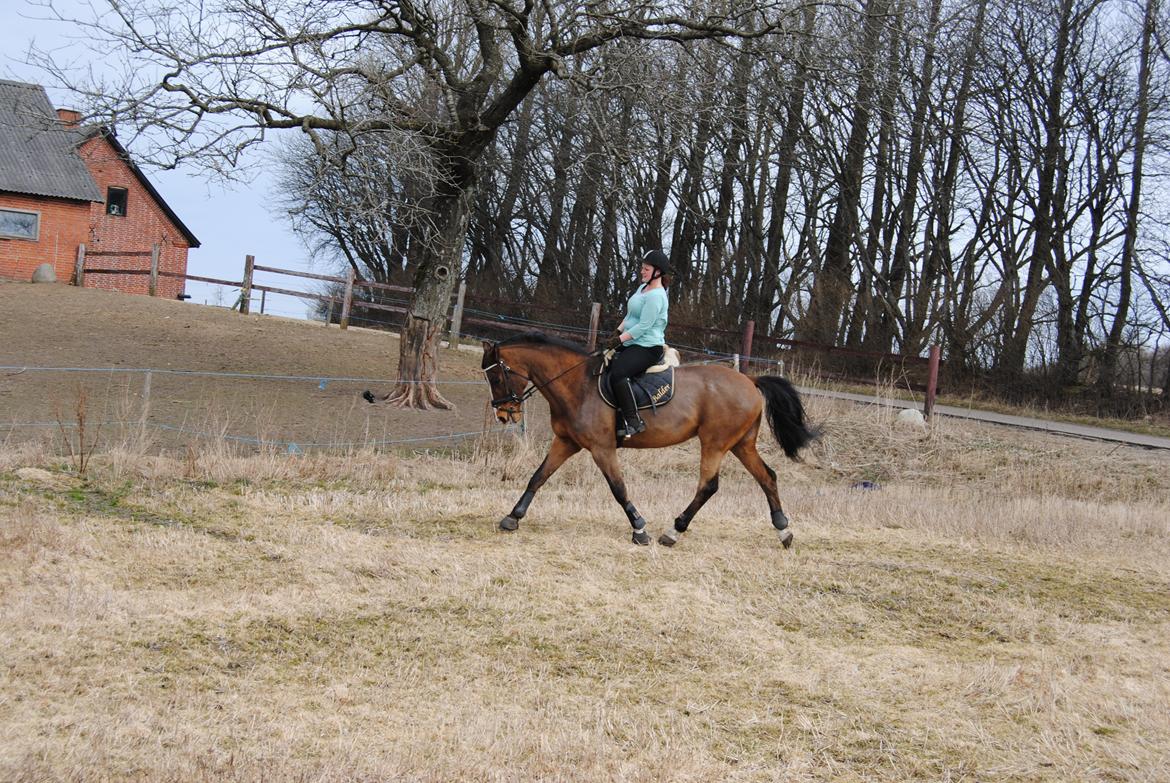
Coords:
pixel 641 338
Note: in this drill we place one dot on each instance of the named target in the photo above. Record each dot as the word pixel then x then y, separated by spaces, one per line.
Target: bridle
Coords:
pixel 529 390
pixel 508 372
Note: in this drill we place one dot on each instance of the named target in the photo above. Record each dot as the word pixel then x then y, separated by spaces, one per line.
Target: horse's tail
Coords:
pixel 785 414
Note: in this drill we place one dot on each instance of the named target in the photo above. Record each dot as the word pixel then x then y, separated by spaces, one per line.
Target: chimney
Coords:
pixel 69 118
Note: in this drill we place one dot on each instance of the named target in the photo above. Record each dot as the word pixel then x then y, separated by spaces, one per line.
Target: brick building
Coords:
pixel 63 185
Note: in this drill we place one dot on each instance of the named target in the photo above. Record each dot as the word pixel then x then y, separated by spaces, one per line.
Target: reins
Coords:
pixel 535 387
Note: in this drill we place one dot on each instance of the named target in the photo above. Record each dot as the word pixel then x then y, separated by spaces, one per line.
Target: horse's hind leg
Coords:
pixel 607 461
pixel 558 452
pixel 746 451
pixel 710 459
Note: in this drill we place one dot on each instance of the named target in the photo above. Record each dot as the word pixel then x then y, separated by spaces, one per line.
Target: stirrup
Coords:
pixel 632 428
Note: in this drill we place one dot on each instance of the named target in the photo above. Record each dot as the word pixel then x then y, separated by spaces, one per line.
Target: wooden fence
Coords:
pixel 751 347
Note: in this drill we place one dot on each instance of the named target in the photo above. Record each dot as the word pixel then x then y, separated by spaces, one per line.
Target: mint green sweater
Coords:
pixel 646 317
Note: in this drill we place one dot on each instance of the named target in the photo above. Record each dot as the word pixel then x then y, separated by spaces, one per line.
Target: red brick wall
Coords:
pixel 143 225
pixel 64 226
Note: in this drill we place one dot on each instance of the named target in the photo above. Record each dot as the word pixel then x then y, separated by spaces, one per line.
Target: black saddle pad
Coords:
pixel 651 390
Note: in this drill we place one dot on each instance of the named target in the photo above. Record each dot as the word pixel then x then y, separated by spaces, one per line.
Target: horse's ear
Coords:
pixel 487 345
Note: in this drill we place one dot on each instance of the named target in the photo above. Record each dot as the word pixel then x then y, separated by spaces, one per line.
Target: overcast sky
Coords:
pixel 230 223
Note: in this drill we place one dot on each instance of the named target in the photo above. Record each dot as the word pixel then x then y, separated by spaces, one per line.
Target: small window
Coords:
pixel 116 202
pixel 19 224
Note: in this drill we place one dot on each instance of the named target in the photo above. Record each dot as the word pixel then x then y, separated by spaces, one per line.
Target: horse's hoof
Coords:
pixel 368 396
pixel 666 540
pixel 641 537
pixel 786 538
pixel 509 523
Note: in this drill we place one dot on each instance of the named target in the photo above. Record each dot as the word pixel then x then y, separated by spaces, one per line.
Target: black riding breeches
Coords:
pixel 632 360
pixel 629 361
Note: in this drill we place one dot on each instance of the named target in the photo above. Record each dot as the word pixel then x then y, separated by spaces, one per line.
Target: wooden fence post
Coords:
pixel 735 361
pixel 329 314
pixel 932 382
pixel 246 289
pixel 347 302
pixel 457 317
pixel 79 270
pixel 594 322
pixel 153 290
pixel 746 352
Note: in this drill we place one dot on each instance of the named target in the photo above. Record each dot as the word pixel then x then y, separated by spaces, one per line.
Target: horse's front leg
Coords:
pixel 560 451
pixel 710 459
pixel 607 461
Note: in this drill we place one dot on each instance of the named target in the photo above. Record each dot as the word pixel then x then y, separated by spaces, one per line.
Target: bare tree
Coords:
pixel 206 80
pixel 833 286
pixel 1133 207
pixel 354 199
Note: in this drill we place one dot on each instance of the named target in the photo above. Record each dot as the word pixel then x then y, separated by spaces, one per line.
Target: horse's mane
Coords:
pixel 540 338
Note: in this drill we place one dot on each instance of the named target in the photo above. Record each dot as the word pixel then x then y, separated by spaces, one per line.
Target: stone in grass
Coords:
pixel 911 418
pixel 45 273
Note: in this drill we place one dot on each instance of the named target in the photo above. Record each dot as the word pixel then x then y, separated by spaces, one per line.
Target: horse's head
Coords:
pixel 507 385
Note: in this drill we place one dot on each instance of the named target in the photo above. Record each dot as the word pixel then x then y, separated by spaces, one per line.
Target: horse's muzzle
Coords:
pixel 509 415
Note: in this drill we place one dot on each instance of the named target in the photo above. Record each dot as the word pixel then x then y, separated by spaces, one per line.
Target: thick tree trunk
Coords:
pixel 710 296
pixel 663 170
pixel 434 282
pixel 581 237
pixel 1072 308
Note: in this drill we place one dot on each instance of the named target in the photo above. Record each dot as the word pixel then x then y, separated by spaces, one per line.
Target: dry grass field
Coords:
pixel 997 609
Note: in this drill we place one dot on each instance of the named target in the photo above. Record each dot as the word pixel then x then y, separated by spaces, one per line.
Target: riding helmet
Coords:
pixel 659 260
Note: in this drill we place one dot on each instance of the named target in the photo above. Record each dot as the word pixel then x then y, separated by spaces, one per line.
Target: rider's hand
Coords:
pixel 614 342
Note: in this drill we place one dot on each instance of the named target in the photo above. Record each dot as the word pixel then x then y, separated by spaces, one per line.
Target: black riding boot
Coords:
pixel 632 423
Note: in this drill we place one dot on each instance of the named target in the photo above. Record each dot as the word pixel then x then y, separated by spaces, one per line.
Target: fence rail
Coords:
pixel 748 343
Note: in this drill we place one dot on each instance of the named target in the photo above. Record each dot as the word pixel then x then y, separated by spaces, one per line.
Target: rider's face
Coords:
pixel 647 273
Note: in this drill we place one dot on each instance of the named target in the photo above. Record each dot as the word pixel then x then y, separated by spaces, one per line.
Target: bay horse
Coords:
pixel 723 407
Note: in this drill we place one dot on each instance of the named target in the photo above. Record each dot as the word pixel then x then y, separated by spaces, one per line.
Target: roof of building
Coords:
pixel 38 155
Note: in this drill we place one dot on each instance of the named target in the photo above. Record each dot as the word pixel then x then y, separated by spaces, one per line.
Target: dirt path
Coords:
pixel 1021 422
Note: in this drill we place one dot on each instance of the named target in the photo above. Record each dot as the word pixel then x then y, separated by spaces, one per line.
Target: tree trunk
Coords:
pixel 957 320
pixel 874 262
pixel 1105 378
pixel 833 286
pixel 434 282
pixel 887 315
pixel 551 273
pixel 1044 218
pixel 710 297
pixel 785 163
pixel 690 209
